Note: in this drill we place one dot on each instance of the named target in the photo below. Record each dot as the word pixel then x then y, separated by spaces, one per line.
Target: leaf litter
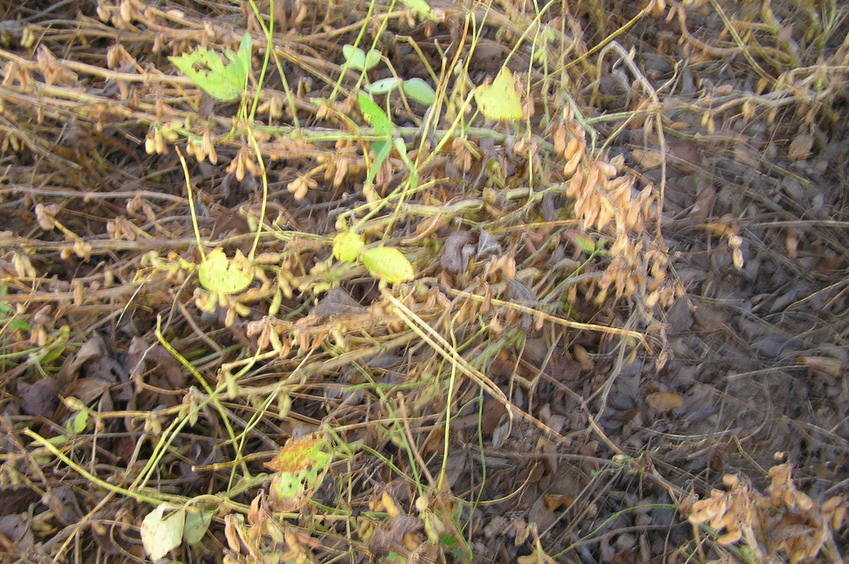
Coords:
pixel 602 319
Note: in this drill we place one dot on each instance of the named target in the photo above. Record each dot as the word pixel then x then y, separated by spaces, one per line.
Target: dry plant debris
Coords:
pixel 783 523
pixel 424 281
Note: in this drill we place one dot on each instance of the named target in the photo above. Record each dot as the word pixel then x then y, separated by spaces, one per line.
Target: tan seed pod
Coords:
pixel 559 139
pixel 592 178
pixel 575 187
pixel 590 215
pixel 571 166
pixel 631 287
pixel 632 219
pixel 620 244
pixel 606 170
pixel 605 214
pixel 730 537
pixel 737 258
pixel 652 299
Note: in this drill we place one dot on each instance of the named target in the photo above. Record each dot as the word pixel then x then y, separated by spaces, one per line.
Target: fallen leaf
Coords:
pixel 337 302
pixel 687 153
pixel 160 533
pixel 747 156
pixel 197 523
pixel 823 365
pixel 493 410
pixel 458 248
pixel 297 455
pixel 40 398
pixel 800 147
pixel 16 528
pixel 647 158
pixel 555 501
pixel 664 401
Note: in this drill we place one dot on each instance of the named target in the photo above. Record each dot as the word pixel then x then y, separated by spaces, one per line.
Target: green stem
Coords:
pixel 88 476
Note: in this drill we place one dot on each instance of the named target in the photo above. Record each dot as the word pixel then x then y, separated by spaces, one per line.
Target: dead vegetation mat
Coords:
pixel 625 338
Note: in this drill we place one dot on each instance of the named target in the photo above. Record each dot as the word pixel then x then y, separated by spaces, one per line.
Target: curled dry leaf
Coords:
pixel 487 245
pixel 337 302
pixel 823 365
pixel 664 401
pixel 647 158
pixel 39 398
pixel 17 528
pixel 556 501
pixel 583 358
pixel 458 248
pixel 800 147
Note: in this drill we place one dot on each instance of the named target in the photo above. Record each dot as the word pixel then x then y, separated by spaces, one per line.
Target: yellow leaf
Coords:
pixel 297 455
pixel 499 100
pixel 347 245
pixel 221 275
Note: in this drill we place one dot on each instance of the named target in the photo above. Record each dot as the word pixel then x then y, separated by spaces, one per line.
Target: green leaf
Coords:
pixel 381 152
pixel 208 71
pixel 197 522
pixel 19 325
pixel 78 422
pixel 388 264
pixel 374 115
pixel 382 126
pixel 161 534
pixel 221 275
pixel 499 100
pixel 420 91
pixel 421 7
pixel 347 245
pixel 383 86
pixel 585 243
pixel 358 60
pixel 287 486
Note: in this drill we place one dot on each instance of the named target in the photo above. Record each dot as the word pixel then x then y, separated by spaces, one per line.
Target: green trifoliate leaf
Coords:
pixel 207 69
